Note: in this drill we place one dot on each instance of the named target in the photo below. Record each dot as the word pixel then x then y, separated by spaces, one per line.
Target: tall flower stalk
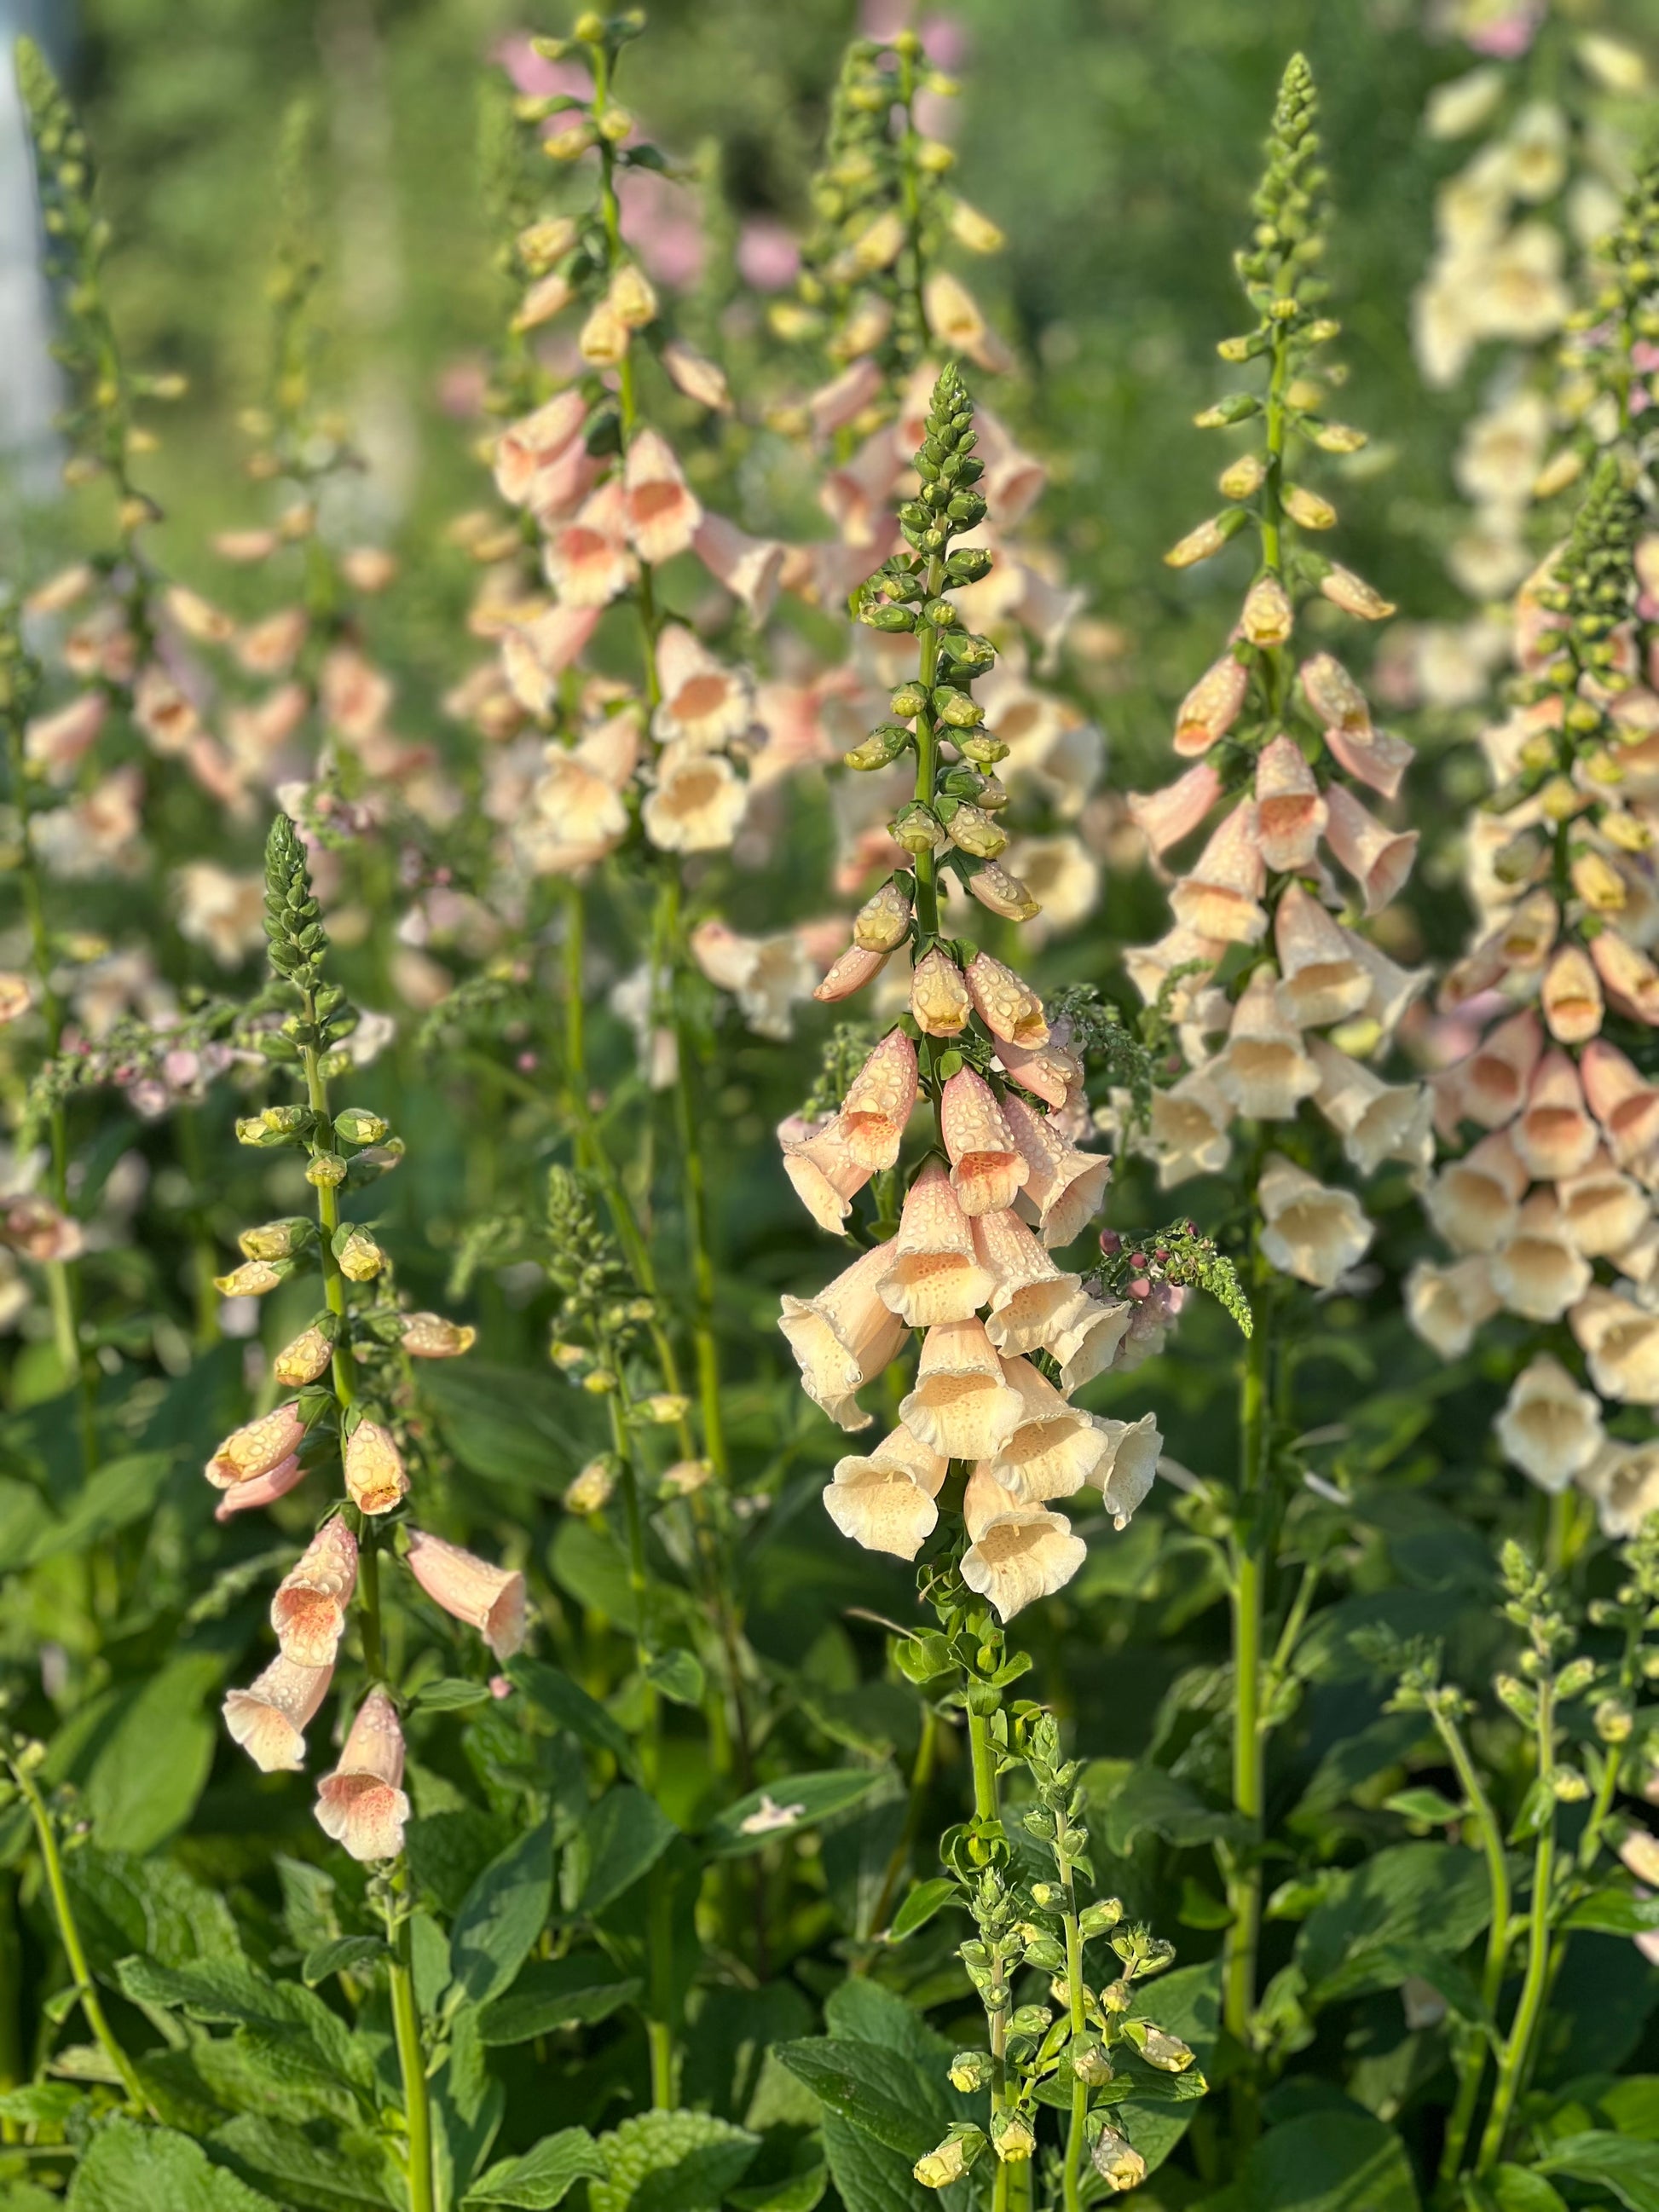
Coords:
pixel 1278 996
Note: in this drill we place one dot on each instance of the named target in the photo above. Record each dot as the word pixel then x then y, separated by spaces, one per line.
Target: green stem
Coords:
pixel 910 188
pixel 1472 2064
pixel 1072 2176
pixel 983 1755
pixel 927 770
pixel 1516 2055
pixel 411 2067
pixel 69 1932
pixel 1243 1872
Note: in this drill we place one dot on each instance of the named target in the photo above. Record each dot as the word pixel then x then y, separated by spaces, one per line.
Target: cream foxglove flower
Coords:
pixel 1054 1449
pixel 361 1803
pixel 1474 1202
pixel 1325 981
pixel 1491 1085
pixel 1378 859
pixel 662 512
pixel 1620 1343
pixel 1603 1211
pixel 885 1501
pixel 1554 1135
pixel 1007 1006
pixel 254 1451
pixel 1447 1305
pixel 706 705
pixel 1089 1338
pixel 1125 1475
pixel 1063 1187
pixel 1536 1272
pixel 1625 1104
pixel 821 1169
pixel 962 1406
pixel 1376 1120
pixel 587 560
pixel 1624 1480
pixel 1549 1428
pixel 939 995
pixel 938 1273
pixel 1187 1131
pixel 844 1337
pixel 374 1472
pixel 1289 813
pixel 309 1609
pixel 698 804
pixel 987 1168
pixel 269 1718
pixel 1308 1230
pixel 1017 1553
pixel 1263 1069
pixel 1220 898
pixel 1030 1297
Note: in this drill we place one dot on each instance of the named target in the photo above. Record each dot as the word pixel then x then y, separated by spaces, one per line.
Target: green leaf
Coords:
pixel 449 1695
pixel 671 2162
pixel 1514 2189
pixel 1337 2161
pixel 335 1957
pixel 870 2085
pixel 1426 1805
pixel 1612 1911
pixel 568 1704
pixel 1154 1801
pixel 543 2177
pixel 358 2174
pixel 292 2026
pixel 786 1807
pixel 122 1491
pixel 557 1993
pixel 140 1755
pixel 510 1425
pixel 677 1675
pixel 622 1839
pixel 1627 2166
pixel 40 2104
pixel 501 1916
pixel 925 1900
pixel 128 2168
pixel 126 1904
pixel 1410 1903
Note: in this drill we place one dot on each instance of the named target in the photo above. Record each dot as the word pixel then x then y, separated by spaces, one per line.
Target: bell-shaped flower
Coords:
pixel 1570 996
pixel 1213 706
pixel 1030 1296
pixel 821 1169
pixel 264 1490
pixel 587 561
pixel 1554 1135
pixel 1549 1428
pixel 1057 1448
pixel 537 653
pixel 1017 1553
pixel 1368 755
pixel 533 445
pixel 1393 988
pixel 1378 859
pixel 939 995
pixel 750 569
pixel 487 1598
pixel 1088 1337
pixel 309 1609
pixel 1628 977
pixel 1188 1128
pixel 1603 1211
pixel 1324 980
pixel 1124 1477
pixel 1536 1272
pixel 844 1337
pixel 1290 812
pixel 961 1404
pixel 698 803
pixel 936 1274
pixel 1376 1120
pixel 885 1501
pixel 705 705
pixel 361 1803
pixel 1492 1083
pixel 1263 1069
pixel 663 515
pixel 1308 1230
pixel 1007 1006
pixel 1164 817
pixel 987 1168
pixel 268 1719
pixel 1267 617
pixel 1447 1305
pixel 856 966
pixel 1621 1344
pixel 1064 1187
pixel 374 1473
pixel 1624 1480
pixel 1221 897
pixel 879 1102
pixel 1622 1101
pixel 1049 1071
pixel 250 1452
pixel 580 815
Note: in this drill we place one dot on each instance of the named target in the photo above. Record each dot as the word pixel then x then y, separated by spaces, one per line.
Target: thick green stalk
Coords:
pixel 86 1991
pixel 1472 2065
pixel 1075 2133
pixel 411 2063
pixel 910 186
pixel 1515 2058
pixel 1249 1745
pixel 927 770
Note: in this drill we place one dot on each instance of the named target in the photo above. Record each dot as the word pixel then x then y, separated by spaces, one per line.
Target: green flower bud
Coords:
pixel 970 2071
pixel 325 1170
pixel 959 712
pixel 358 1126
pixel 908 701
pixel 917 829
pixel 277 1240
pixel 882 746
pixel 1103 1914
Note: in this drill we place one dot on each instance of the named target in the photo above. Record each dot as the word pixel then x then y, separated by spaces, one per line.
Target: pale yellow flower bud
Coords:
pixel 1197 545
pixel 592 1490
pixel 1269 616
pixel 1308 509
pixel 304 1359
pixel 970 830
pixel 1243 478
pixel 361 1258
pixel 882 921
pixel 251 1280
pixel 1598 883
pixel 939 995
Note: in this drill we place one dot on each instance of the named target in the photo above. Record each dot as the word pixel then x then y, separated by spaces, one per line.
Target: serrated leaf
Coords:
pixel 299 2172
pixel 925 1900
pixel 128 2168
pixel 671 2162
pixel 1338 2162
pixel 870 2086
pixel 543 2177
pixel 501 1916
pixel 622 1839
pixel 557 1993
pixel 40 2104
pixel 1158 1803
pixel 786 1807
pixel 335 1957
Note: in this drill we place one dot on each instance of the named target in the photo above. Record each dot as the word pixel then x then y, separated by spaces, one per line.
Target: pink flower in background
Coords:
pixel 659 221
pixel 461 387
pixel 769 260
pixel 531 74
pixel 1504 32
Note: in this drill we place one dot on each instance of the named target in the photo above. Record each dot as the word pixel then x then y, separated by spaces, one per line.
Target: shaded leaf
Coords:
pixel 543 2177
pixel 502 1914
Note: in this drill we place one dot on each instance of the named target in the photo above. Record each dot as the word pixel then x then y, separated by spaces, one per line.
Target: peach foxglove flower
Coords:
pixel 766 975
pixel 1447 1305
pixel 1473 1202
pixel 1188 1129
pixel 844 1337
pixel 821 1169
pixel 250 1452
pixel 1202 542
pixel 856 966
pixel 1536 1272
pixel 1379 860
pixel 879 1102
pixel 1001 893
pixel 1125 1475
pixel 580 813
pixel 705 704
pixel 1549 1428
pixel 1221 897
pixel 698 804
pixel 362 1804
pixel 1063 1187
pixel 430 1336
pixel 1628 977
pixel 263 1490
pixel 1376 1120
pixel 269 1718
pixel 1554 1135
pixel 985 1167
pixel 1491 1083
pixel 1269 616
pixel 1030 1296
pixel 1089 1338
pixel 1325 980
pixel 1164 817
pixel 1049 1071
pixel 954 319
pixel 1018 1552
pixel 490 1599
pixel 885 1501
pixel 1009 1007
pixel 1054 1450
pixel 536 653
pixel 883 922
pixel 309 1609
pixel 56 744
pixel 698 377
pixel 842 400
pixel 1308 1230
pixel 588 563
pixel 750 568
pixel 1393 988
pixel 1289 813
pixel 1621 1345
pixel 1603 1211
pixel 528 446
pixel 939 995
pixel 663 514
pixel 962 1406
pixel 1213 706
pixel 1625 1104
pixel 374 1472
pixel 1264 1068
pixel 936 1274
pixel 1354 595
